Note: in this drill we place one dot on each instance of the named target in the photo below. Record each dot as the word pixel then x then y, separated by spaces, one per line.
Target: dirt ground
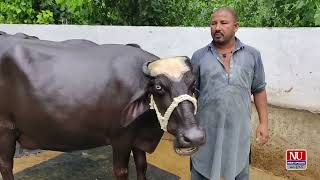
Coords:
pixel 96 164
pixel 274 161
pixel 289 129
pixel 180 165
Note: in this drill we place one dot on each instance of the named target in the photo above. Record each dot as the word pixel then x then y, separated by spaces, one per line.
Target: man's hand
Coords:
pixel 260 100
pixel 262 134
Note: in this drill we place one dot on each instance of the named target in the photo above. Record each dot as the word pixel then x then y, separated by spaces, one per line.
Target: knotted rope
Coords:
pixel 163 120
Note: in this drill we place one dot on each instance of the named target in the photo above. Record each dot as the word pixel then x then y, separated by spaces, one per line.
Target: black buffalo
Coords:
pixel 67 96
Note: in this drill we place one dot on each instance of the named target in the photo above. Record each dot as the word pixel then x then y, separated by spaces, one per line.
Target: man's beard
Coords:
pixel 219 38
pixel 220 41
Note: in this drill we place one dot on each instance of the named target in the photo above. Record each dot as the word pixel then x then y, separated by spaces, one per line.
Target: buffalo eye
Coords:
pixel 158 87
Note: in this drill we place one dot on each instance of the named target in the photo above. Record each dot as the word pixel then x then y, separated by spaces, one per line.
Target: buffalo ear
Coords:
pixel 138 104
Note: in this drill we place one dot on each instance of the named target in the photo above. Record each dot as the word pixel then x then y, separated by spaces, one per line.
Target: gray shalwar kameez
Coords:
pixel 224 109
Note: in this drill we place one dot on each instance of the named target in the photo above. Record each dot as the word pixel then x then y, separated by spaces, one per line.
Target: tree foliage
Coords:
pixel 252 13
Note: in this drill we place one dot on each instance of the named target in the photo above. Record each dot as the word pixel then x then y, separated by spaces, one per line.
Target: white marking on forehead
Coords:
pixel 173 68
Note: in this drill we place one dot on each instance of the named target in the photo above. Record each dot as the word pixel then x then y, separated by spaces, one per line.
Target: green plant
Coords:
pixel 252 13
pixel 45 17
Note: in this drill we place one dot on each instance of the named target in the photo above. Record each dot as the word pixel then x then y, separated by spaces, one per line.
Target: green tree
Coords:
pixel 17 11
pixel 252 13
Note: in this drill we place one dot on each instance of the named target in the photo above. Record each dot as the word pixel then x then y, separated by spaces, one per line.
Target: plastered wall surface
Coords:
pixel 290 55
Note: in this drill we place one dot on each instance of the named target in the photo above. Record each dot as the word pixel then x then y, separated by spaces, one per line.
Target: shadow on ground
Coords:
pixel 94 164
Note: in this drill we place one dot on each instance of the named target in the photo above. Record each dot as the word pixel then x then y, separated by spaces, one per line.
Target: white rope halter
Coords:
pixel 163 120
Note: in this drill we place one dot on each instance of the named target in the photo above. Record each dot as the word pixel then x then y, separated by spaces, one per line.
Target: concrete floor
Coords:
pixel 93 164
pixel 65 165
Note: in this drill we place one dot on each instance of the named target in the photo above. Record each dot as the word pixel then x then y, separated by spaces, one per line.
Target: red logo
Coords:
pixel 296 155
pixel 296 159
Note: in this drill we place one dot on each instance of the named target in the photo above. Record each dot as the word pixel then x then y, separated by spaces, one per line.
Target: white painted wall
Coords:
pixel 291 56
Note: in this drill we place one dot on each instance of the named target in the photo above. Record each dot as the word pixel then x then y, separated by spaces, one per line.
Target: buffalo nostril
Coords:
pixel 194 136
pixel 186 139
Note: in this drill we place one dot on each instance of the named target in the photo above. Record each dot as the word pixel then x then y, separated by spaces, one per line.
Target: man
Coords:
pixel 230 72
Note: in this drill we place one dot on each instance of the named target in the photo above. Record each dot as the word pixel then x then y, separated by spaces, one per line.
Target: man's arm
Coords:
pixel 260 101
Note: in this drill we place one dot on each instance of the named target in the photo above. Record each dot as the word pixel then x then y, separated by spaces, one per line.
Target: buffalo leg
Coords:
pixel 121 157
pixel 141 163
pixel 7 150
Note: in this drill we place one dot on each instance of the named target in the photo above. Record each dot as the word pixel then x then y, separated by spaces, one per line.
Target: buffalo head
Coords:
pixel 172 88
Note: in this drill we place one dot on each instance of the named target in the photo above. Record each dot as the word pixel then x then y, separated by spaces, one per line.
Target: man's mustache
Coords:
pixel 219 33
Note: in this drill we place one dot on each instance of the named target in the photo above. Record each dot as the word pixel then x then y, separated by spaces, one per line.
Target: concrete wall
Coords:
pixel 291 59
pixel 290 56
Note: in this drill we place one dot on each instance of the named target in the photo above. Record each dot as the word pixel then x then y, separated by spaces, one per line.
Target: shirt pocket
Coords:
pixel 242 76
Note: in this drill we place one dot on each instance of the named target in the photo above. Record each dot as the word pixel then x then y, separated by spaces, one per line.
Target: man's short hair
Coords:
pixel 228 9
